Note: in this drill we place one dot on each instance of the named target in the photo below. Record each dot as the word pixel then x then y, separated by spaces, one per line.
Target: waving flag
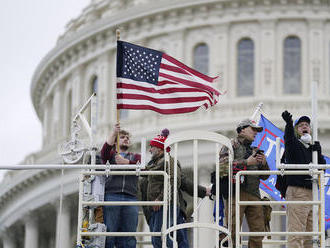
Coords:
pixel 327 195
pixel 150 79
pixel 266 140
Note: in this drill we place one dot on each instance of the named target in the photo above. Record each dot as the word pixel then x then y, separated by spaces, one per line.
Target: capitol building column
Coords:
pixel 63 234
pixel 205 211
pixel 7 240
pixel 31 231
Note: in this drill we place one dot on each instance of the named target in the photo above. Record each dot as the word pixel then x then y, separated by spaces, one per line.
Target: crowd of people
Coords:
pixel 298 150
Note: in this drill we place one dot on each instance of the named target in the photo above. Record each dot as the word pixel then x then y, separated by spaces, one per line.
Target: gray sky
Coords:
pixel 28 29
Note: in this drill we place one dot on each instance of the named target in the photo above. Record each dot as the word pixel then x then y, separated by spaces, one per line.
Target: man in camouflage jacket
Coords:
pixel 155 192
pixel 245 158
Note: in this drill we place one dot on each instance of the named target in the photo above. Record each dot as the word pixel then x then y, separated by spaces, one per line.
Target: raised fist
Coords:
pixel 287 117
pixel 317 147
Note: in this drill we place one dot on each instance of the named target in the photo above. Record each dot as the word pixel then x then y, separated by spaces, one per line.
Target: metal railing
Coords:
pixel 82 233
pixel 195 137
pixel 320 202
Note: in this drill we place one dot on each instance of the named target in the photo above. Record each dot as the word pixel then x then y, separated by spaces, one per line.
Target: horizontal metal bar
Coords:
pixel 279 233
pixel 279 202
pixel 130 172
pixel 275 242
pixel 304 166
pixel 279 212
pixel 70 166
pixel 144 242
pixel 121 234
pixel 123 203
pixel 286 172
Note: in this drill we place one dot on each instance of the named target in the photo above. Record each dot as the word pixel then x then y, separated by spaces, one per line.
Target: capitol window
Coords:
pixel 94 84
pixel 292 65
pixel 93 88
pixel 245 67
pixel 201 58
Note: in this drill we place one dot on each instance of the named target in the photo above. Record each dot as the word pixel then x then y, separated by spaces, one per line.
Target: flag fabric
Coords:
pixel 327 195
pixel 266 140
pixel 152 80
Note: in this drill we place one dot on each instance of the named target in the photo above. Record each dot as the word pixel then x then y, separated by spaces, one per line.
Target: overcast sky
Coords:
pixel 28 30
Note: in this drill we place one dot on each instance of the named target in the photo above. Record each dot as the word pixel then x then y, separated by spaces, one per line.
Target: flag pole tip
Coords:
pixel 118 33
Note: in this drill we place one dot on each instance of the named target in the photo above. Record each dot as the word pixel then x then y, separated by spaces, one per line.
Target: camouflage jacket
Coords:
pixel 242 150
pixel 155 189
pixel 186 186
pixel 152 187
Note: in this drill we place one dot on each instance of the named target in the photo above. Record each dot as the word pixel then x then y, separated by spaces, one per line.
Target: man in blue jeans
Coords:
pixel 120 188
pixel 155 192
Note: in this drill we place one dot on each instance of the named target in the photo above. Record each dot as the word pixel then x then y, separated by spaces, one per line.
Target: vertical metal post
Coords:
pixel 315 160
pixel 237 212
pixel 175 190
pixel 80 210
pixel 92 143
pixel 217 199
pixel 143 151
pixel 167 193
pixel 195 162
pixel 230 195
pixel 93 128
pixel 322 209
pixel 278 153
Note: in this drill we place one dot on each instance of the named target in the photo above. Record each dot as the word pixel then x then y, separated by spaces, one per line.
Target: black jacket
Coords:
pixel 297 153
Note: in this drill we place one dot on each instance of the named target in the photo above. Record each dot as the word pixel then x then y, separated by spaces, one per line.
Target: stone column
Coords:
pixel 205 211
pixel 58 111
pixel 63 234
pixel 7 240
pixel 267 84
pixel 31 231
pixel 316 56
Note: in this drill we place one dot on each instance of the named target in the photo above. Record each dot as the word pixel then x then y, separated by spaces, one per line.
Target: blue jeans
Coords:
pixel 156 222
pixel 120 219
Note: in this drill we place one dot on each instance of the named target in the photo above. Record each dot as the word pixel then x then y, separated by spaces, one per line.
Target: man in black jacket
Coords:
pixel 299 150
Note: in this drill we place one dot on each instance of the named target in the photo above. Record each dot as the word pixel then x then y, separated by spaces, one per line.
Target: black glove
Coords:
pixel 213 191
pixel 317 147
pixel 287 117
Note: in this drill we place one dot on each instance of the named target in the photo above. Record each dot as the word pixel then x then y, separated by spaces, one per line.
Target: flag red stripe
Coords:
pixel 192 71
pixel 160 91
pixel 173 68
pixel 192 89
pixel 266 186
pixel 189 83
pixel 267 130
pixel 163 100
pixel 164 82
pixel 161 111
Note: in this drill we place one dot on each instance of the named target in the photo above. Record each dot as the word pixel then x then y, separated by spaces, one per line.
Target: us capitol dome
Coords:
pixel 263 50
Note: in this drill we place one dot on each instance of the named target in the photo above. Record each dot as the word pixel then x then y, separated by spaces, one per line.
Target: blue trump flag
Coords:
pixel 327 195
pixel 266 140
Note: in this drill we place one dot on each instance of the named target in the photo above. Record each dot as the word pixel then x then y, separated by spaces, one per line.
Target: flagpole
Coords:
pixel 258 108
pixel 316 213
pixel 118 110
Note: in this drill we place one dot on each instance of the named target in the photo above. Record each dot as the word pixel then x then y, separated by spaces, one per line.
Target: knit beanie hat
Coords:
pixel 159 140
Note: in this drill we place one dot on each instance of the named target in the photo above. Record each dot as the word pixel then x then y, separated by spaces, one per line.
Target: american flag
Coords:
pixel 152 80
